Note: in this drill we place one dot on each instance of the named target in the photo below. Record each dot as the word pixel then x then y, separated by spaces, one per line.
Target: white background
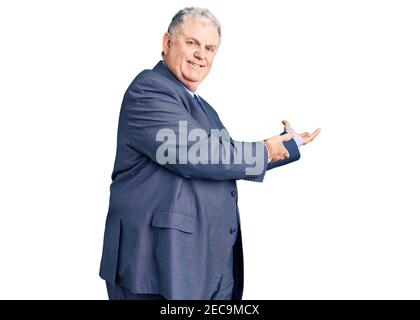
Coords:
pixel 341 223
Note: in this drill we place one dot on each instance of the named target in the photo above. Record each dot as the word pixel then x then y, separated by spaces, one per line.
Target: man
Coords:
pixel 173 228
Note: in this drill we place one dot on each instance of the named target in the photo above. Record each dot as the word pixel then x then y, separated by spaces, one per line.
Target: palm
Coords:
pixel 306 136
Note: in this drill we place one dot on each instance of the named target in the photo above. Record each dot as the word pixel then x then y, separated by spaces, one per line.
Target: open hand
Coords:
pixel 306 136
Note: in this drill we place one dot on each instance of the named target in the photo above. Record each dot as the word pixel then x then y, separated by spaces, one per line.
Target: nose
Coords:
pixel 199 53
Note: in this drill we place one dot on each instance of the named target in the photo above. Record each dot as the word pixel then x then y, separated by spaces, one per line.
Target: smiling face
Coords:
pixel 189 53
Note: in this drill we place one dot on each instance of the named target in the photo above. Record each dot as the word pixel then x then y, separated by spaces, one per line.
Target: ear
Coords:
pixel 166 42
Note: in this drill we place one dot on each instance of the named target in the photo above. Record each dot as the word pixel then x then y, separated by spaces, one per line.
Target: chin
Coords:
pixel 193 78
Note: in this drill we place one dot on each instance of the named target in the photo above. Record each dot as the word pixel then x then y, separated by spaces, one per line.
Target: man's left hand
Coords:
pixel 306 136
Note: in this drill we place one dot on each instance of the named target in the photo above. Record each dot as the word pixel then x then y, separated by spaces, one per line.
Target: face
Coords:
pixel 189 53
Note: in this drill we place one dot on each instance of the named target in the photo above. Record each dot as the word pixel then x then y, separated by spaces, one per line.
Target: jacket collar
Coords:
pixel 163 70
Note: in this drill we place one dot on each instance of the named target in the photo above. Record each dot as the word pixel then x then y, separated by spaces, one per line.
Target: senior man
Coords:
pixel 173 228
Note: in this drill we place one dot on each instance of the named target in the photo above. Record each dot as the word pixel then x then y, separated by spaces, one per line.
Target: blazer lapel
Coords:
pixel 206 119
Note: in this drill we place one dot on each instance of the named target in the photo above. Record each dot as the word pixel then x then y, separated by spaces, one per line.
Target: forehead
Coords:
pixel 201 30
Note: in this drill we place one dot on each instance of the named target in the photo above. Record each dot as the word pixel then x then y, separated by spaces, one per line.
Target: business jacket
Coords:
pixel 170 227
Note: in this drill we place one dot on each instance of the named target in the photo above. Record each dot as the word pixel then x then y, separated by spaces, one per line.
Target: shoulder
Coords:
pixel 152 79
pixel 151 86
pixel 151 83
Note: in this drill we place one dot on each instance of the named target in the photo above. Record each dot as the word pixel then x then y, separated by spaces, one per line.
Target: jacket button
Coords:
pixel 233 193
pixel 232 230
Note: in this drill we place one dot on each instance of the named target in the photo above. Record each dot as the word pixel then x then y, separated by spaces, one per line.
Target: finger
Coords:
pixel 285 153
pixel 286 124
pixel 314 134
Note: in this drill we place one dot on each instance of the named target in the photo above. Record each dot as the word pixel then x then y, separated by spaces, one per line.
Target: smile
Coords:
pixel 195 64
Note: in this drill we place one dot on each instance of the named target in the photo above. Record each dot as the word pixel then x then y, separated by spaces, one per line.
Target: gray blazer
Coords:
pixel 170 228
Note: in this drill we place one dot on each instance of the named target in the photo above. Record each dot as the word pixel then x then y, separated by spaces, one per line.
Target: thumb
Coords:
pixel 286 124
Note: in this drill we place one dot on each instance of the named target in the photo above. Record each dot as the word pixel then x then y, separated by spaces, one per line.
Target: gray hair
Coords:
pixel 193 12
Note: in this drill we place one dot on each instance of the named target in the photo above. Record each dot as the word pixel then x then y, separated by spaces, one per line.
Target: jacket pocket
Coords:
pixel 174 220
pixel 110 253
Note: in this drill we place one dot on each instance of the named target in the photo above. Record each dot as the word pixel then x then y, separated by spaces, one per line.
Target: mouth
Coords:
pixel 196 65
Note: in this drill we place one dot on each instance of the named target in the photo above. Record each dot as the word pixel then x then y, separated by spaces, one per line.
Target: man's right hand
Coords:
pixel 277 151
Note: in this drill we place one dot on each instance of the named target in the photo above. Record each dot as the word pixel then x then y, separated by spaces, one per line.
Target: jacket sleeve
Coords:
pixel 290 145
pixel 294 154
pixel 157 124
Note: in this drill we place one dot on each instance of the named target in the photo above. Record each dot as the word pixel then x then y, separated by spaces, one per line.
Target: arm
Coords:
pixel 294 154
pixel 154 119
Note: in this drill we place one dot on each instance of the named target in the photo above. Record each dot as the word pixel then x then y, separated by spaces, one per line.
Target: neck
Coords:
pixel 187 86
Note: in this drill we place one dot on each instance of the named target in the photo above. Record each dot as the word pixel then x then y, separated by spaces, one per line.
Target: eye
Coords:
pixel 210 50
pixel 190 43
